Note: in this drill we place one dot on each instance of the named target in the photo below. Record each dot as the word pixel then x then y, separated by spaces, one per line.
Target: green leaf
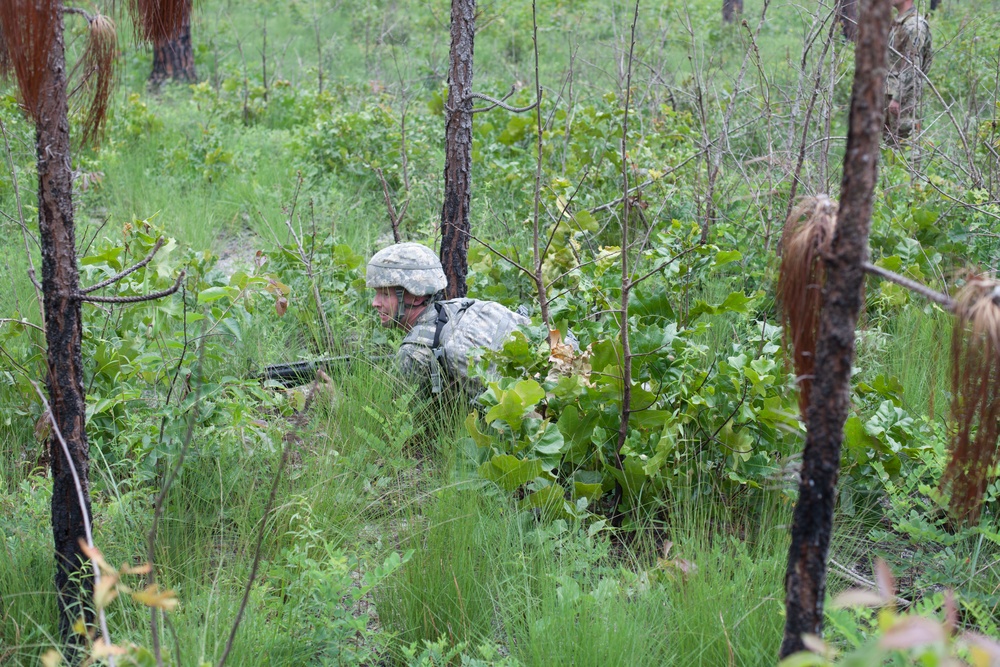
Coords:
pixel 509 409
pixel 551 441
pixel 482 440
pixel 727 256
pixel 735 303
pixel 655 304
pixel 548 498
pixel 509 472
pixel 530 392
pixel 212 294
pixel 585 221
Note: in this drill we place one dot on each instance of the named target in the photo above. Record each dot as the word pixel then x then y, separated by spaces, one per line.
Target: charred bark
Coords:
pixel 731 10
pixel 455 227
pixel 173 58
pixel 847 16
pixel 812 523
pixel 63 336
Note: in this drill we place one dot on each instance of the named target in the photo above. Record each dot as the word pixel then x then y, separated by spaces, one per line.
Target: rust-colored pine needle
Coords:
pixel 157 20
pixel 975 408
pixel 99 72
pixel 804 242
pixel 26 33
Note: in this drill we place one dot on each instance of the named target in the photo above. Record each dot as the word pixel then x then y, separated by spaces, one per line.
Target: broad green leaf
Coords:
pixel 509 472
pixel 530 392
pixel 212 294
pixel 482 440
pixel 551 440
pixel 727 256
pixel 510 409
pixel 548 498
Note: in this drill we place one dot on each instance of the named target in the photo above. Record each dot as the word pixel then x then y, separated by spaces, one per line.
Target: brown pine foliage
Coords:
pixel 99 72
pixel 975 409
pixel 25 38
pixel 804 242
pixel 157 20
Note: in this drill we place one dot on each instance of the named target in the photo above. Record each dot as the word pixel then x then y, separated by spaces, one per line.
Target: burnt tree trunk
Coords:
pixel 63 335
pixel 455 228
pixel 847 16
pixel 829 400
pixel 731 10
pixel 173 58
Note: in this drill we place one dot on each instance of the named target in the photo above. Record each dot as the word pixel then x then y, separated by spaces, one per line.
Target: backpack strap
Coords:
pixel 436 348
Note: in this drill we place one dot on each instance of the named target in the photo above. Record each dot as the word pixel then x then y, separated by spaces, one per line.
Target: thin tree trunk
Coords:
pixel 812 524
pixel 847 16
pixel 63 335
pixel 173 58
pixel 731 10
pixel 455 228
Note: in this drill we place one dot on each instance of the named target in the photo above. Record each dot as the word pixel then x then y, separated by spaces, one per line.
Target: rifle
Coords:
pixel 303 372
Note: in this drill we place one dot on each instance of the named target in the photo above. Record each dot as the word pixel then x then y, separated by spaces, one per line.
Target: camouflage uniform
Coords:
pixel 909 51
pixel 449 336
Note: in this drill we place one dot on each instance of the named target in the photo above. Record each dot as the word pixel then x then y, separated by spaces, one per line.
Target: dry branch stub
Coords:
pixel 975 409
pixel 804 243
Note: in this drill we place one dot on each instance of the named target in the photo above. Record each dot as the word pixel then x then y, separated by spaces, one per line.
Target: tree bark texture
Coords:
pixel 173 58
pixel 731 10
pixel 455 228
pixel 63 336
pixel 812 523
pixel 847 16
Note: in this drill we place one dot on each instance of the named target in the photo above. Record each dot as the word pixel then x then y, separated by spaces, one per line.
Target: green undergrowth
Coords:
pixel 413 532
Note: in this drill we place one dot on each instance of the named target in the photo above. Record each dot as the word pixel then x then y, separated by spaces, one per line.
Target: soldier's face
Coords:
pixel 387 304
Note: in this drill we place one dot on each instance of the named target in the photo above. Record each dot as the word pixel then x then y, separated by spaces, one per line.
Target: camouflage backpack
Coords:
pixel 452 337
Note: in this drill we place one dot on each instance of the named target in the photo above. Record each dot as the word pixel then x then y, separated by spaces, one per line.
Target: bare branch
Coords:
pixel 612 204
pixel 134 299
pixel 394 218
pixel 931 295
pixel 502 256
pixel 662 266
pixel 76 10
pixel 25 323
pixel 132 269
pixel 500 103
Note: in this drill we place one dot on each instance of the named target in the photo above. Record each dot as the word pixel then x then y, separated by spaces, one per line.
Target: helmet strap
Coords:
pixel 400 306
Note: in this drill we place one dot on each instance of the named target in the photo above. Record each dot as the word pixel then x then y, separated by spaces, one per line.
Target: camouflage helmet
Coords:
pixel 412 266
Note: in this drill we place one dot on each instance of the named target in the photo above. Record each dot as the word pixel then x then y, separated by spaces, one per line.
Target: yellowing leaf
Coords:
pixel 152 596
pixel 886 582
pixel 94 554
pixel 815 644
pixel 145 568
pixel 912 631
pixel 856 597
pixel 106 591
pixel 985 652
pixel 80 627
pixel 103 650
pixel 52 658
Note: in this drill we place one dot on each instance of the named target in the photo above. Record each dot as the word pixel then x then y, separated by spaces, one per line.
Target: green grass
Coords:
pixel 374 472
